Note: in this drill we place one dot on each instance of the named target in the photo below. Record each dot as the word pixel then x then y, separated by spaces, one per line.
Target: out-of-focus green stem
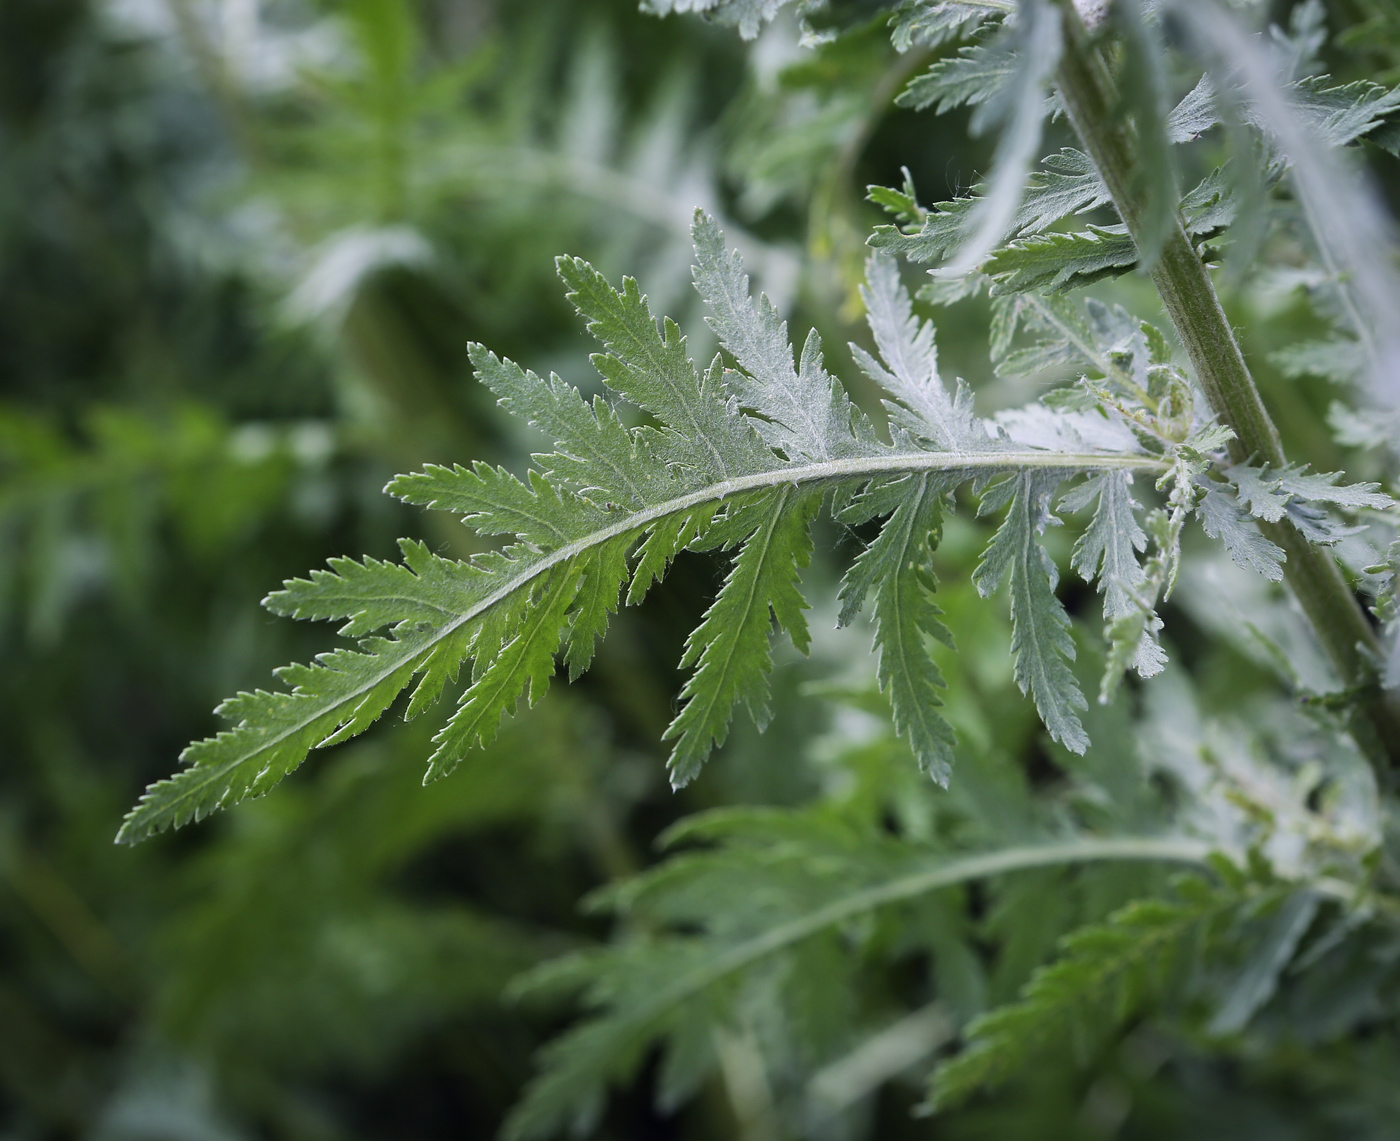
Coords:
pixel 1091 98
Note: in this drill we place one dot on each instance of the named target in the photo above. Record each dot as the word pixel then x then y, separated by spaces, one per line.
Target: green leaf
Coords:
pixel 925 408
pixel 928 23
pixel 373 594
pixel 730 647
pixel 1056 262
pixel 1261 496
pixel 1109 547
pixel 735 459
pixel 1288 492
pixel 702 432
pixel 1070 185
pixel 274 731
pixel 1106 974
pixel 1020 106
pixel 1040 631
pixel 971 77
pixel 902 203
pixel 526 660
pixel 898 568
pixel 1322 487
pixel 808 413
pixel 805 876
pixel 604 459
pixel 493 502
pixel 1222 519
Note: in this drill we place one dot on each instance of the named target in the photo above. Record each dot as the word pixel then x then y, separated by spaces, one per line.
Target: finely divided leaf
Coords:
pixel 928 23
pixel 1291 493
pixel 527 660
pixel 1060 261
pixel 1106 973
pixel 906 345
pixel 971 77
pixel 1222 519
pixel 374 594
pixel 598 454
pixel 1054 262
pixel 702 430
pixel 1256 492
pixel 730 647
pixel 898 568
pixel 1040 629
pixel 611 506
pixel 1109 547
pixel 1322 487
pixel 274 731
pixel 768 887
pixel 808 412
pixel 1021 105
pixel 493 502
pixel 1034 260
pixel 1108 550
pixel 1070 185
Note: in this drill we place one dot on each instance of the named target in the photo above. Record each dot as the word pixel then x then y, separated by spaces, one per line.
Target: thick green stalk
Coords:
pixel 1188 295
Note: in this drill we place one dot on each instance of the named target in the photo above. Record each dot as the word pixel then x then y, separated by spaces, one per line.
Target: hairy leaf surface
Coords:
pixel 739 458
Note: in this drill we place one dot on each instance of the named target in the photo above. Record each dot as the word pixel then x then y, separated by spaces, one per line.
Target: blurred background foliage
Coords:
pixel 243 247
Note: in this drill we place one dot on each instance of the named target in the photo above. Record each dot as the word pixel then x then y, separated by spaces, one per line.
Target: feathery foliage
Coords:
pixel 1105 975
pixel 818 888
pixel 834 895
pixel 739 458
pixel 855 932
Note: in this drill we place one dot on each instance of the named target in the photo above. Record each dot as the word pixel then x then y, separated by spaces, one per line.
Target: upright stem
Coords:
pixel 1188 295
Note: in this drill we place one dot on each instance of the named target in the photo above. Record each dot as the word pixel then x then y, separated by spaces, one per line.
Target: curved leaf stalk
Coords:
pixel 947 873
pixel 1182 280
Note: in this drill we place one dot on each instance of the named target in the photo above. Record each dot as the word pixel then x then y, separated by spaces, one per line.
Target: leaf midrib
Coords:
pixel 945 873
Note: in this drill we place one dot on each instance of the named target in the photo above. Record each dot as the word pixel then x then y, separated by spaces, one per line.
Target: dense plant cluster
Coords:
pixel 1111 857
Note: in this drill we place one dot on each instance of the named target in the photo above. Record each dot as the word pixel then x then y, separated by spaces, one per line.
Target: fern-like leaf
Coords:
pixel 971 77
pixel 897 568
pixel 1223 519
pixel 1106 973
pixel 1040 636
pixel 730 647
pixel 1052 262
pixel 807 876
pixel 739 458
pixel 1109 550
pixel 929 23
pixel 1069 185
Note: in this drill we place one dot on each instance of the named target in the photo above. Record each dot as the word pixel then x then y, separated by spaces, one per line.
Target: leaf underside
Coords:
pixel 740 458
